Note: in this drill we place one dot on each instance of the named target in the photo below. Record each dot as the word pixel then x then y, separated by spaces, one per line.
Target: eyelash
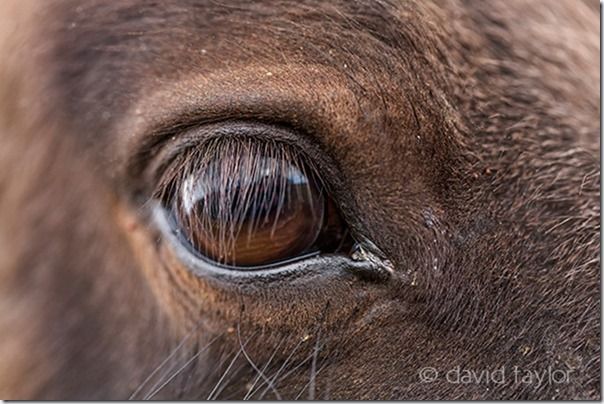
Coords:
pixel 235 156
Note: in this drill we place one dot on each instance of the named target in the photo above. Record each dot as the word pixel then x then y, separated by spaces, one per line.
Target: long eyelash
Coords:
pixel 232 166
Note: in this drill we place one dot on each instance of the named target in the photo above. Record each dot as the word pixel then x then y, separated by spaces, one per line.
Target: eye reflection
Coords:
pixel 253 219
pixel 250 204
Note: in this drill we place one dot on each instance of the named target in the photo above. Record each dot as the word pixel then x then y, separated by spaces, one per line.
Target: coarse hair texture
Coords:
pixel 466 137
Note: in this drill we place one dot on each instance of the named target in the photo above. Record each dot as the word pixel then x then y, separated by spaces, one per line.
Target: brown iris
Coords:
pixel 252 205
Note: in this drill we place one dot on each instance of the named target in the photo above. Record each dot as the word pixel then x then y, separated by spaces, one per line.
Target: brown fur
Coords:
pixel 464 136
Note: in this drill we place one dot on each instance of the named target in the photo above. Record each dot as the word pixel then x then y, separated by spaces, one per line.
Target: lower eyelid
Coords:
pixel 203 266
pixel 364 262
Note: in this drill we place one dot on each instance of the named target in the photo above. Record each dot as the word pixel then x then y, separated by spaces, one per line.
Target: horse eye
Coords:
pixel 249 205
pixel 273 214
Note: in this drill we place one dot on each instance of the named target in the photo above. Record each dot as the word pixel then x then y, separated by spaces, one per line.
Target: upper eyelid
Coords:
pixel 188 129
pixel 154 155
pixel 163 146
pixel 311 99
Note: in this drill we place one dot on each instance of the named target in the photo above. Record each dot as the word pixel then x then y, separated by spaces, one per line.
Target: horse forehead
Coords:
pixel 136 40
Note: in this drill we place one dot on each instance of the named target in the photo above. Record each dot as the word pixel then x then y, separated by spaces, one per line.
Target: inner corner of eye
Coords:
pixel 252 204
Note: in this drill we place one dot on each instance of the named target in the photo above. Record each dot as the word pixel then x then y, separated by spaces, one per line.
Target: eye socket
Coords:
pixel 249 204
